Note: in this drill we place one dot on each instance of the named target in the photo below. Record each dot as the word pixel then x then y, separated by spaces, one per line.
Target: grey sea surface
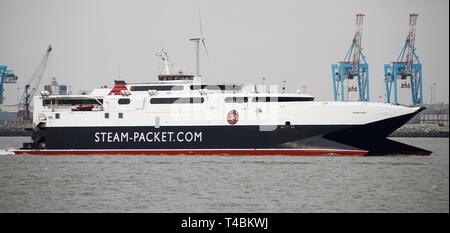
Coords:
pixel 119 183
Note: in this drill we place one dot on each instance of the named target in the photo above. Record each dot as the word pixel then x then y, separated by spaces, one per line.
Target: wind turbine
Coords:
pixel 197 41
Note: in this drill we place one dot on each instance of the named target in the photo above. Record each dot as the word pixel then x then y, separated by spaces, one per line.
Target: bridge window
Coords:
pixel 175 77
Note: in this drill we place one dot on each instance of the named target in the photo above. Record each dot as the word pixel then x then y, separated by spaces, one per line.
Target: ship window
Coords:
pixel 157 88
pixel 264 99
pixel 287 123
pixel 72 101
pixel 192 100
pixel 294 99
pixel 106 115
pixel 236 100
pixel 282 99
pixel 57 115
pixel 229 87
pixel 120 115
pixel 124 101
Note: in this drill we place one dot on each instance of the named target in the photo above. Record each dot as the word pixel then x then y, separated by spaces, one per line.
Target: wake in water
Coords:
pixel 8 151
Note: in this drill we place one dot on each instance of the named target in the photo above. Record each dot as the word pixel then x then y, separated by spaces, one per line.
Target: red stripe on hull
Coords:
pixel 236 152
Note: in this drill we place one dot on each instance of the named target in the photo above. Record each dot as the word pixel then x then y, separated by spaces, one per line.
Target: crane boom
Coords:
pixel 358 40
pixel 24 115
pixel 411 40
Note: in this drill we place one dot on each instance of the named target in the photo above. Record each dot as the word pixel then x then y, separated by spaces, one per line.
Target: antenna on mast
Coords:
pixel 165 61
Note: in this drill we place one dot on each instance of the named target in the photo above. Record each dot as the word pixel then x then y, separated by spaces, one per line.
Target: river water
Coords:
pixel 117 183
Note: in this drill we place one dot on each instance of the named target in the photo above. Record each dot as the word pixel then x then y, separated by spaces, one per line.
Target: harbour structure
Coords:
pixel 407 69
pixel 351 75
pixel 7 76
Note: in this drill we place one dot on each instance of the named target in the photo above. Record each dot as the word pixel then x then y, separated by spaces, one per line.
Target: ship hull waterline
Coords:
pixel 206 152
pixel 288 140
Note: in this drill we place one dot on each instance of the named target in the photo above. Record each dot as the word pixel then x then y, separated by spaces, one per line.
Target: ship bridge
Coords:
pixel 175 77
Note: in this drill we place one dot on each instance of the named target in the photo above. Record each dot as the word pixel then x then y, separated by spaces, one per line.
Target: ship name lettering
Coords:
pixel 178 136
pixel 124 137
pixel 157 137
pixel 112 137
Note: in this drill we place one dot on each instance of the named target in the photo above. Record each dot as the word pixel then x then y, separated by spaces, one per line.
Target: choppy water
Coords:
pixel 226 184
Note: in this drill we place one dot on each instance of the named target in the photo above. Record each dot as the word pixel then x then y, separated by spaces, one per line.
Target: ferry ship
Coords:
pixel 182 115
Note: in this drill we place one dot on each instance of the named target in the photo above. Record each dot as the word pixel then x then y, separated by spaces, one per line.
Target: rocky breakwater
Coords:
pixel 421 130
pixel 13 128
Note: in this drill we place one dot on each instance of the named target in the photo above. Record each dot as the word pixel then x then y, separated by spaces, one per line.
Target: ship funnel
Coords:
pixel 119 86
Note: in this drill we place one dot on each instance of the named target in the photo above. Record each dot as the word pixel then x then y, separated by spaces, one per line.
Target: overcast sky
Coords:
pixel 290 40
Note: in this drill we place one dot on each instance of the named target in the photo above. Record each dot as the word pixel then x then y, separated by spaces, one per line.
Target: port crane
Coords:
pixel 31 87
pixel 6 77
pixel 407 66
pixel 353 66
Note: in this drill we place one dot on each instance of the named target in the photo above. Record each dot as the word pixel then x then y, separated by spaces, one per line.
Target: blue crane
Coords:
pixel 6 76
pixel 407 66
pixel 353 65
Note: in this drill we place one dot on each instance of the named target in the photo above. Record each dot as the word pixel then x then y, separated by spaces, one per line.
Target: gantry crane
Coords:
pixel 24 115
pixel 407 66
pixel 353 66
pixel 8 77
